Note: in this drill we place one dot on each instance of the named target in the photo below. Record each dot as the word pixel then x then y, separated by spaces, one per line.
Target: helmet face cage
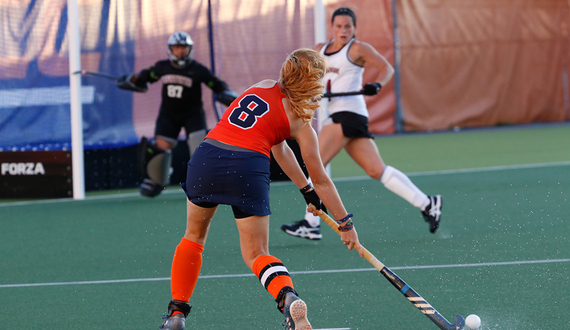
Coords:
pixel 180 38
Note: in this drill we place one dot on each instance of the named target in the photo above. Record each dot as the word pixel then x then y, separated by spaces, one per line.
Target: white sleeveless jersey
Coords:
pixel 344 76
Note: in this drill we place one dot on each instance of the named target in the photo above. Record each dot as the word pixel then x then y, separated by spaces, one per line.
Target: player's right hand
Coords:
pixel 371 88
pixel 350 239
pixel 127 82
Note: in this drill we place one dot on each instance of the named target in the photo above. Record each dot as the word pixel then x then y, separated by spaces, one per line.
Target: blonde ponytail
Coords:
pixel 301 81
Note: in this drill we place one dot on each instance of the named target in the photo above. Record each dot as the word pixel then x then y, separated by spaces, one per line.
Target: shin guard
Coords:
pixel 272 274
pixel 398 183
pixel 185 270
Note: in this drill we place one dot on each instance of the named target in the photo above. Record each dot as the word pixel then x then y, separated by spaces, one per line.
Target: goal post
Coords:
pixel 75 101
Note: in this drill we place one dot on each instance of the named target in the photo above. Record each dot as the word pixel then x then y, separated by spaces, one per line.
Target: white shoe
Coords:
pixel 303 229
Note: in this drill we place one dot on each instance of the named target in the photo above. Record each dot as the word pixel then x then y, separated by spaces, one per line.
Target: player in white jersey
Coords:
pixel 346 125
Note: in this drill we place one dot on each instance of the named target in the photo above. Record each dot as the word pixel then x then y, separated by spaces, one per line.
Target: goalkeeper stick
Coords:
pixel 404 288
pixel 123 82
pixel 97 74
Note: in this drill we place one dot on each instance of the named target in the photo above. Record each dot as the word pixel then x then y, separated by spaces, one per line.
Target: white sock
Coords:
pixel 312 220
pixel 398 183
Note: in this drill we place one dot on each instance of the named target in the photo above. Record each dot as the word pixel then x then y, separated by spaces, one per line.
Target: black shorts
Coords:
pixel 353 125
pixel 237 178
pixel 169 124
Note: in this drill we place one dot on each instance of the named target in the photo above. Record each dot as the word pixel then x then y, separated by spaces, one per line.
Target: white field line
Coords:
pixel 284 183
pixel 311 272
pixel 467 170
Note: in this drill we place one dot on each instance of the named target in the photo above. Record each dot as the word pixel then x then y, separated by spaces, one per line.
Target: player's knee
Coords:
pixel 374 172
pixel 165 143
pixel 386 174
pixel 249 257
pixel 195 235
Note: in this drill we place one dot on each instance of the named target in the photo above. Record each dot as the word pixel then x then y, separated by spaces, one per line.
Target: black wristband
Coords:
pixel 306 188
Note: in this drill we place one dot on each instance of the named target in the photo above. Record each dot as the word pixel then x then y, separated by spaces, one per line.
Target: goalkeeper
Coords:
pixel 182 78
pixel 347 123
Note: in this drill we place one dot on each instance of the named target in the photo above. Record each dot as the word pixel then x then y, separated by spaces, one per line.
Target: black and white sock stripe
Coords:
pixel 271 271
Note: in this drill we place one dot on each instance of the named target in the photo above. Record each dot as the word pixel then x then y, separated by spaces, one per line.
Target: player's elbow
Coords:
pixel 320 180
pixel 389 72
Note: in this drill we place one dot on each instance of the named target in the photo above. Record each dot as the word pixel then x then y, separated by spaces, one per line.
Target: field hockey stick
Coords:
pixel 97 74
pixel 404 288
pixel 329 95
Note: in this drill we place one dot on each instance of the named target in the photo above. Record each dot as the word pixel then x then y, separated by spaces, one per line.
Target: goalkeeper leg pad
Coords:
pixel 158 167
pixel 154 167
pixel 154 162
pixel 145 152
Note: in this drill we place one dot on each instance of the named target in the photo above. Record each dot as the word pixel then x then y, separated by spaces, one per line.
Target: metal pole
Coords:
pixel 320 36
pixel 75 101
pixel 217 110
pixel 399 114
pixel 320 28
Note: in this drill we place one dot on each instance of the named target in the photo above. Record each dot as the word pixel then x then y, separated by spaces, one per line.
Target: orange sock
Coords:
pixel 272 274
pixel 186 266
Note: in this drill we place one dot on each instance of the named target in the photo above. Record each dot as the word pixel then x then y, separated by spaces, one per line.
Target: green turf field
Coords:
pixel 502 250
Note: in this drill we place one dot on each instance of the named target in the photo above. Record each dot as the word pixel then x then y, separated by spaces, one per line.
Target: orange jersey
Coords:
pixel 256 120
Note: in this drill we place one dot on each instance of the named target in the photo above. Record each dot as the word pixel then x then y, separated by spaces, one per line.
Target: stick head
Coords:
pixel 459 322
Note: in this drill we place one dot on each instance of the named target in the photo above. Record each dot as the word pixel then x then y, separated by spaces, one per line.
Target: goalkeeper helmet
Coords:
pixel 183 39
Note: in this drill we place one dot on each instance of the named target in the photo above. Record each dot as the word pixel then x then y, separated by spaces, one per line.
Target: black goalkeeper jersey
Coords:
pixel 182 87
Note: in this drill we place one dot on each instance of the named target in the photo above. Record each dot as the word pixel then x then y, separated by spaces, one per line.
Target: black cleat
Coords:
pixel 150 188
pixel 174 322
pixel 432 213
pixel 295 313
pixel 303 229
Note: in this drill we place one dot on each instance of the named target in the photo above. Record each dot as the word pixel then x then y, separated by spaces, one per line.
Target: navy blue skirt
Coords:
pixel 236 178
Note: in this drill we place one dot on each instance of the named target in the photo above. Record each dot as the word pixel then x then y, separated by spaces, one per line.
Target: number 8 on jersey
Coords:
pixel 250 107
